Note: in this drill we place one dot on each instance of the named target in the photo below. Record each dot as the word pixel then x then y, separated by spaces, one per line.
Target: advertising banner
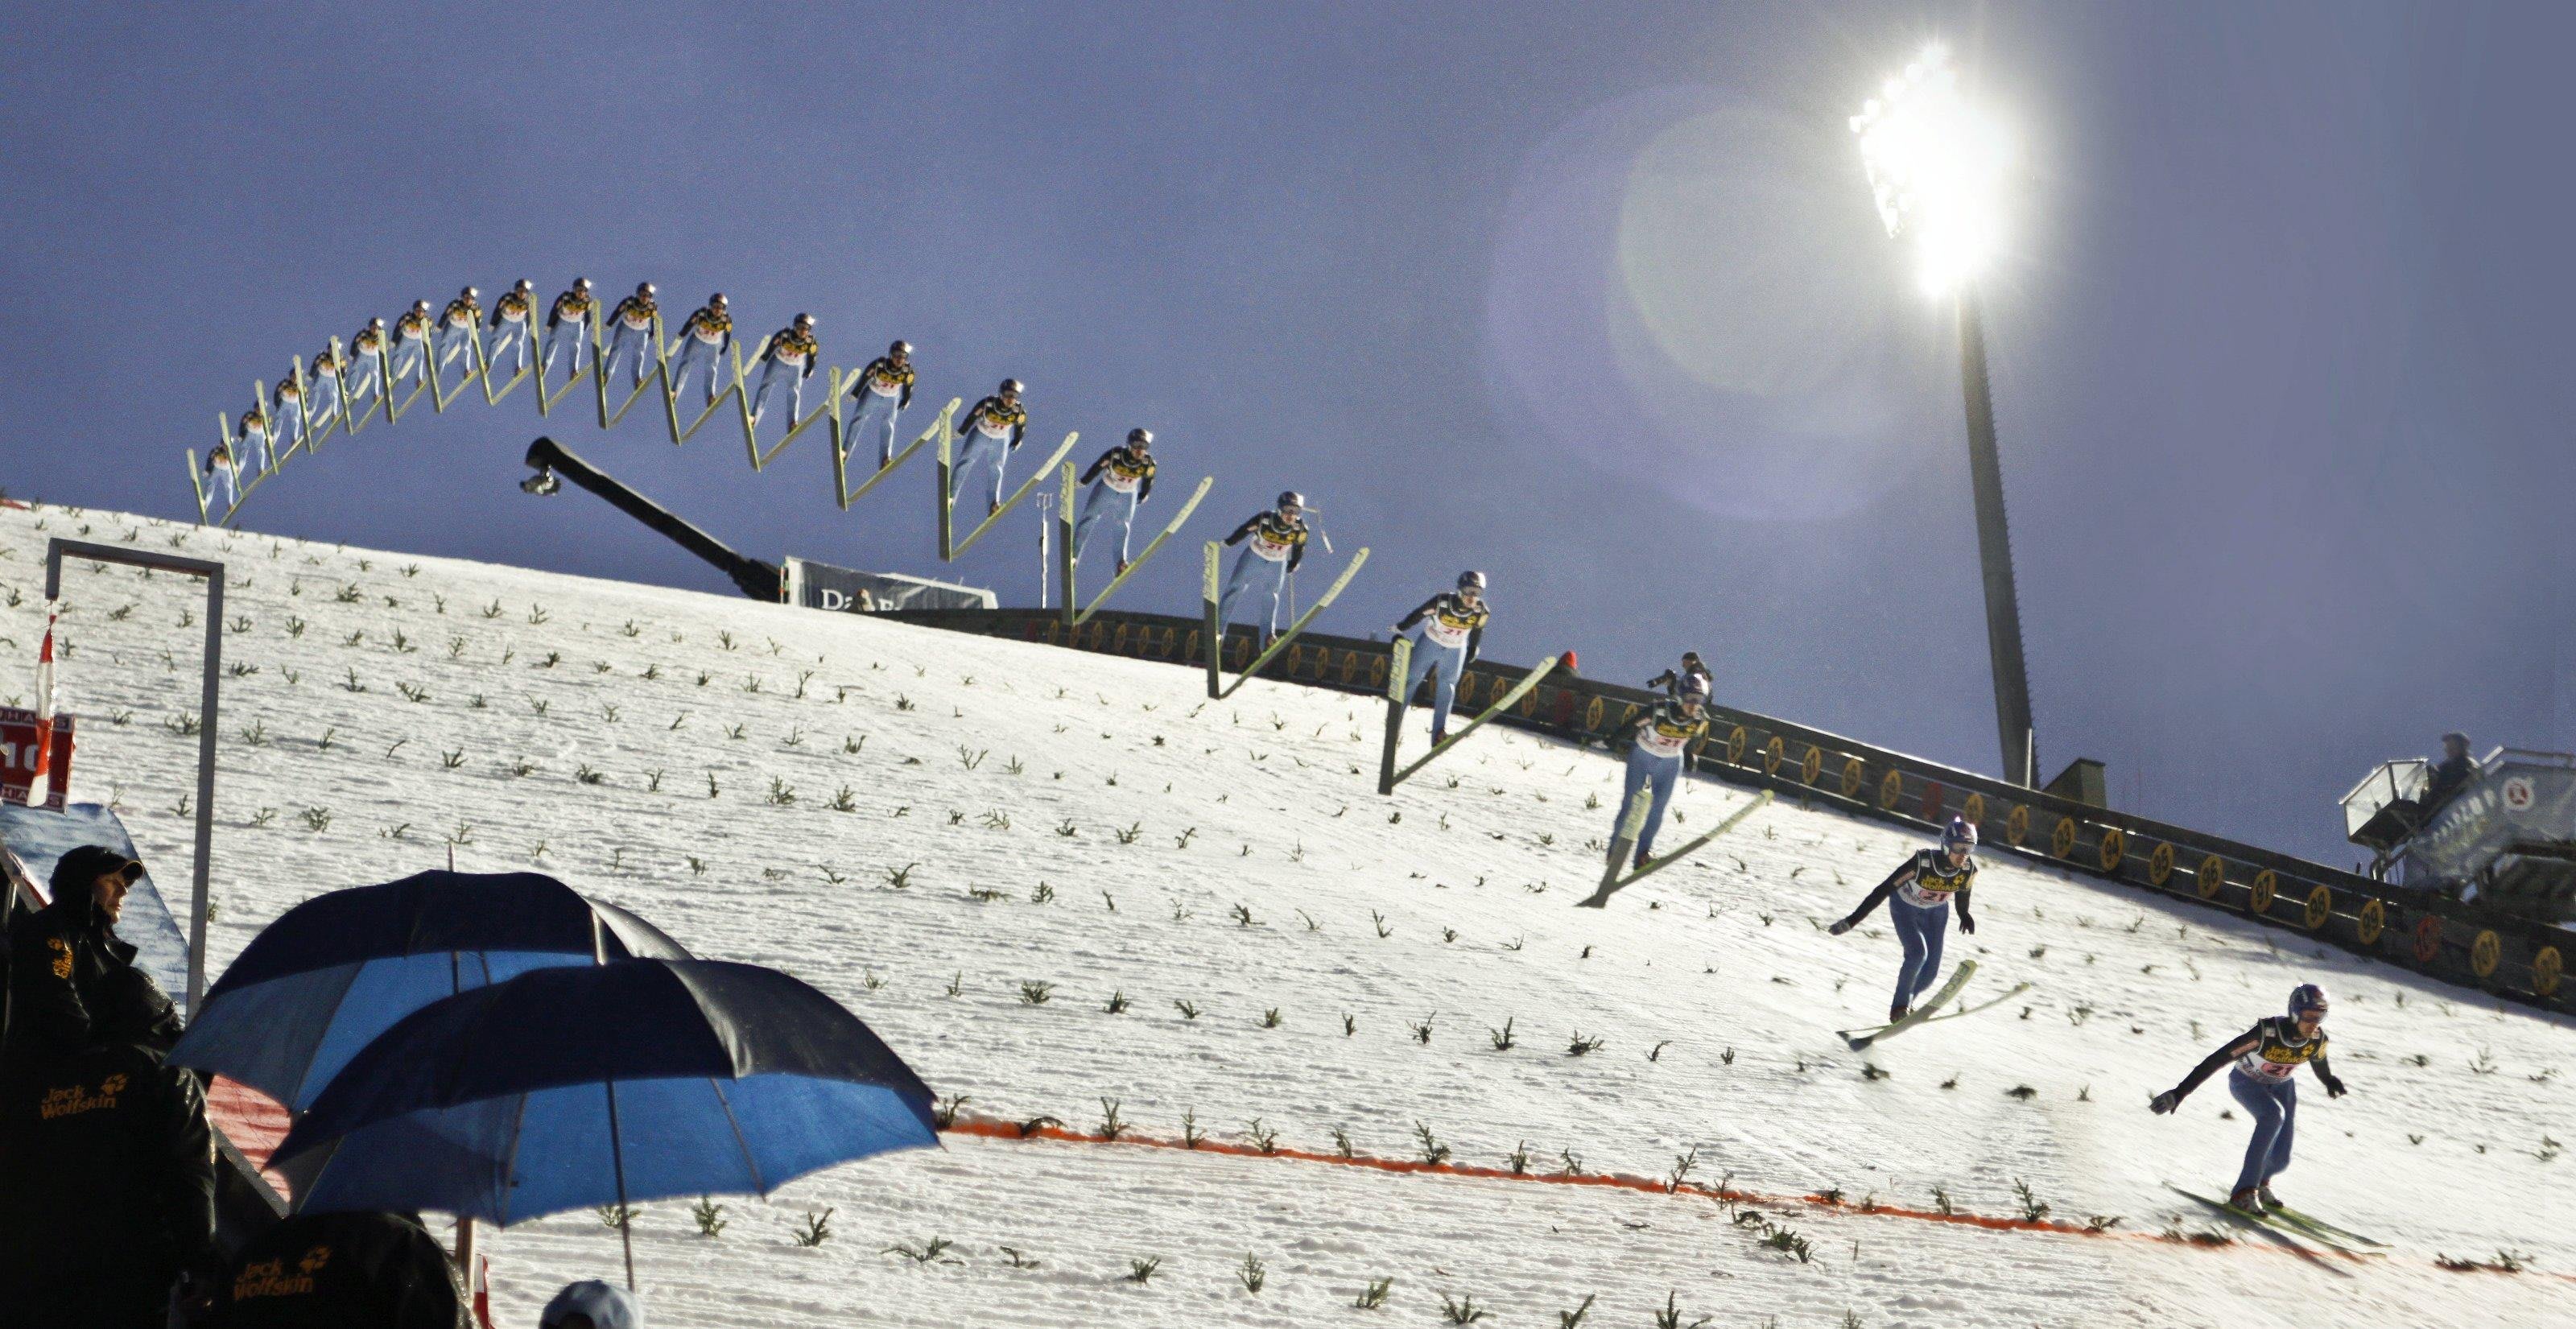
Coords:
pixel 18 756
pixel 848 591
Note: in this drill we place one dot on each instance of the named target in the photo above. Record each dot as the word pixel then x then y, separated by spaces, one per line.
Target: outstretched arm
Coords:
pixel 1903 874
pixel 2244 1043
pixel 1296 555
pixel 1096 465
pixel 1244 530
pixel 1967 924
pixel 1475 642
pixel 1420 611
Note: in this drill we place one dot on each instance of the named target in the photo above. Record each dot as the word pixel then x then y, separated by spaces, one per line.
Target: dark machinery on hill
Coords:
pixel 2505 838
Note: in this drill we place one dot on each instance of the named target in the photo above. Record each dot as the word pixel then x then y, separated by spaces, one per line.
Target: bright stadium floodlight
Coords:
pixel 1936 165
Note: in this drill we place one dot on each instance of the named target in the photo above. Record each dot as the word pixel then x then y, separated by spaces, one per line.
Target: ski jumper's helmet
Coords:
pixel 1958 834
pixel 2307 997
pixel 1474 579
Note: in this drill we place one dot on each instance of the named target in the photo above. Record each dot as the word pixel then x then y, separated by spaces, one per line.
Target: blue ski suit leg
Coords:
pixel 1920 931
pixel 693 352
pixel 638 341
pixel 1257 576
pixel 773 374
pixel 875 420
pixel 1104 504
pixel 564 335
pixel 2275 1109
pixel 1646 770
pixel 509 339
pixel 981 449
pixel 1449 661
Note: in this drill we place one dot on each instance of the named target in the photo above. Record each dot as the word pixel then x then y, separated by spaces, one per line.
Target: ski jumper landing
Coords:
pixel 2263 1081
pixel 1918 895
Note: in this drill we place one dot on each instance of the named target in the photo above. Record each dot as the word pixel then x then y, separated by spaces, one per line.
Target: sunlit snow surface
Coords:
pixel 993 766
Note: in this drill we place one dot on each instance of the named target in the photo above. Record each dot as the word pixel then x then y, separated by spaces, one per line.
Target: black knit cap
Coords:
pixel 87 863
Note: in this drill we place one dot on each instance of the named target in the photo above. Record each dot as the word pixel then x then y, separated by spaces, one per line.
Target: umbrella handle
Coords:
pixel 617 1163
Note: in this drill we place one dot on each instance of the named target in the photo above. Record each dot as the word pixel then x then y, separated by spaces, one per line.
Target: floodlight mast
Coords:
pixel 1935 167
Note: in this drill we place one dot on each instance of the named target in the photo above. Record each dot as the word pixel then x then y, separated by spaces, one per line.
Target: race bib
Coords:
pixel 639 322
pixel 1660 744
pixel 1922 897
pixel 1444 632
pixel 2253 1064
pixel 884 388
pixel 992 428
pixel 711 336
pixel 791 357
pixel 1122 483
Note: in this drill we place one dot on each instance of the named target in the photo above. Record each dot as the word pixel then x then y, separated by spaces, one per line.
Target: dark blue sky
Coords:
pixel 1588 296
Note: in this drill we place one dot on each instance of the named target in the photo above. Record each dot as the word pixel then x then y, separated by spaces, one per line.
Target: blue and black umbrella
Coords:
pixel 335 971
pixel 569 1088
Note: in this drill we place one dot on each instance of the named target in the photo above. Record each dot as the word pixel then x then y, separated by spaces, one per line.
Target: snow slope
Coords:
pixel 1018 815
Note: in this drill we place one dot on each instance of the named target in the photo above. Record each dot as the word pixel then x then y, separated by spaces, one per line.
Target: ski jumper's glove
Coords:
pixel 1840 926
pixel 2334 1087
pixel 1966 924
pixel 2165 1102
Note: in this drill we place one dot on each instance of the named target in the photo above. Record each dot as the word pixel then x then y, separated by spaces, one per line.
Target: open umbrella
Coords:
pixel 335 971
pixel 567 1088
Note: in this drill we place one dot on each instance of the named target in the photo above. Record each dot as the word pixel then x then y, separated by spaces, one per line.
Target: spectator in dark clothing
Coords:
pixel 2452 773
pixel 329 1271
pixel 72 981
pixel 592 1305
pixel 1675 682
pixel 107 1189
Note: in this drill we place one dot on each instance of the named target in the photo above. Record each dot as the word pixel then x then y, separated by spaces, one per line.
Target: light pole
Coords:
pixel 1936 166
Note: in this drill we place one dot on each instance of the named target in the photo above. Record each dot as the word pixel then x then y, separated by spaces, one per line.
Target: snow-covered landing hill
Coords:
pixel 1051 879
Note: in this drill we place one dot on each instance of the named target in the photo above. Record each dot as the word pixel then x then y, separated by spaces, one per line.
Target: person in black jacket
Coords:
pixel 107 1188
pixel 72 981
pixel 327 1271
pixel 1672 681
pixel 2451 774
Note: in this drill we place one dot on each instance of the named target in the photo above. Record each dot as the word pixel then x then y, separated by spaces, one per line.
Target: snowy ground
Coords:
pixel 923 824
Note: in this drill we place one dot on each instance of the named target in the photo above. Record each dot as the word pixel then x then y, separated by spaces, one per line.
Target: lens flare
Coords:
pixel 1937 164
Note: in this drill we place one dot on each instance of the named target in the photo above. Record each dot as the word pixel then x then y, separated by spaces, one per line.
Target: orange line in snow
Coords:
pixel 988 1128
